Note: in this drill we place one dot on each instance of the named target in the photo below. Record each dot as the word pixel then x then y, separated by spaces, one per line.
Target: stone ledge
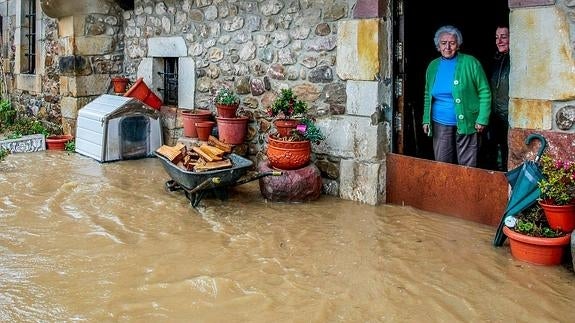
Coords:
pixel 25 144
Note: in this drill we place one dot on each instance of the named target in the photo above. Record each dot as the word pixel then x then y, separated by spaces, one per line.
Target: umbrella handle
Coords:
pixel 541 148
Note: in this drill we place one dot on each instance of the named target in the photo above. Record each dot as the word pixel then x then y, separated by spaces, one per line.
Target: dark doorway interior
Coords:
pixel 477 22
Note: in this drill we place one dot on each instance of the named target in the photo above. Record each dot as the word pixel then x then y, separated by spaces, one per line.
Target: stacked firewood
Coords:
pixel 205 157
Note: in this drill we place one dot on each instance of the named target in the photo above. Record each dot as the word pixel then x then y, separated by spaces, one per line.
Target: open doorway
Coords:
pixel 412 177
pixel 416 29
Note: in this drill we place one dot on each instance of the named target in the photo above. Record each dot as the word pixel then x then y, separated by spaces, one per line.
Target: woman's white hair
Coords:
pixel 448 29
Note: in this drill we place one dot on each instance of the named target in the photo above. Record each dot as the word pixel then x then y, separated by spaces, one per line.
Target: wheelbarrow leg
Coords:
pixel 195 198
pixel 196 194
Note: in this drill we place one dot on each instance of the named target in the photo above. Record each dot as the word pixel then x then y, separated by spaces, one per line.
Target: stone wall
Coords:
pixel 255 47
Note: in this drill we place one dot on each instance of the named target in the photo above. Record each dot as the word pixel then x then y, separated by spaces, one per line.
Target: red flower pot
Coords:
pixel 204 129
pixel 536 250
pixel 232 131
pixel 143 93
pixel 560 217
pixel 57 142
pixel 120 84
pixel 284 127
pixel 190 118
pixel 227 111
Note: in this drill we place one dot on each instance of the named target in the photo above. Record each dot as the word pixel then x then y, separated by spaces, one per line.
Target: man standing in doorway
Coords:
pixel 497 144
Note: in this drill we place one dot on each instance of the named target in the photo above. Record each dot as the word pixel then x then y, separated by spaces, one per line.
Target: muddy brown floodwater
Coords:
pixel 84 241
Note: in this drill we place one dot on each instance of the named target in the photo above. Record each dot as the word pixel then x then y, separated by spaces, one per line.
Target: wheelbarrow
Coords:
pixel 197 184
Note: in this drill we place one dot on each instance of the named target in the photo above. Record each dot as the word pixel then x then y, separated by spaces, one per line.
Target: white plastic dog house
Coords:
pixel 116 127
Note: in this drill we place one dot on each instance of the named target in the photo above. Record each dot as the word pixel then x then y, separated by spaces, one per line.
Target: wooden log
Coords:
pixel 202 154
pixel 212 150
pixel 208 151
pixel 174 154
pixel 226 163
pixel 221 145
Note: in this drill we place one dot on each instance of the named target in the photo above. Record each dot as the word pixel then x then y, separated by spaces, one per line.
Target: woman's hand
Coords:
pixel 426 128
pixel 479 127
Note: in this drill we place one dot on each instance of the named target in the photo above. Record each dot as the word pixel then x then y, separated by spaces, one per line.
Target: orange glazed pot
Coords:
pixel 537 250
pixel 288 155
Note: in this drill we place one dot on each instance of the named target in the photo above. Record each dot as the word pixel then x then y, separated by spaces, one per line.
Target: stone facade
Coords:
pixel 336 55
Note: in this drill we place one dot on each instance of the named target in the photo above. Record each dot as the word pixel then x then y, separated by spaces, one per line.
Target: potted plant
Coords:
pixel 227 102
pixel 286 109
pixel 232 127
pixel 290 147
pixel 557 196
pixel 532 240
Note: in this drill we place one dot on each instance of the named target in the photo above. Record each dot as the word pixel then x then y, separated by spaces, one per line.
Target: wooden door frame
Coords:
pixel 472 194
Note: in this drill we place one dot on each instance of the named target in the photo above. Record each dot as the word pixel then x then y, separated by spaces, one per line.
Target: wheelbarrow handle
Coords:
pixel 203 185
pixel 541 139
pixel 254 176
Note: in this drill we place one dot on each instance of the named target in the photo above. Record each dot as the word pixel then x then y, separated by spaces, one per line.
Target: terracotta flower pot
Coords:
pixel 232 131
pixel 57 142
pixel 288 155
pixel 191 117
pixel 284 127
pixel 120 84
pixel 536 250
pixel 143 93
pixel 226 111
pixel 560 217
pixel 204 129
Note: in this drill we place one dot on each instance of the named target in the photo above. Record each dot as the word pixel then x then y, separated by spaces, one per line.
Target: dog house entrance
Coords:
pixel 134 136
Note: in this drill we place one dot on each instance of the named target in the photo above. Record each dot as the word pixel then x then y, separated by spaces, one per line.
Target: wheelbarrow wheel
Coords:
pixel 171 186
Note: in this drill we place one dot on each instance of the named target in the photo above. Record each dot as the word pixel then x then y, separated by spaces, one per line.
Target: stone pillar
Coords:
pixel 361 137
pixel 90 51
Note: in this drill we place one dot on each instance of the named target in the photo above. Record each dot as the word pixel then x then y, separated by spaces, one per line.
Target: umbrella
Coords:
pixel 524 189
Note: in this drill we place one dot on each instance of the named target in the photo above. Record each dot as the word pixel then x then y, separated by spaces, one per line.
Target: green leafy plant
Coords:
pixel 7 113
pixel 287 106
pixel 23 126
pixel 532 222
pixel 226 96
pixel 558 185
pixel 305 130
pixel 310 131
pixel 70 146
pixel 3 153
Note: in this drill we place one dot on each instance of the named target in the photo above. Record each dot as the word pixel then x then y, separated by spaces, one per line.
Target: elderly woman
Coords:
pixel 457 101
